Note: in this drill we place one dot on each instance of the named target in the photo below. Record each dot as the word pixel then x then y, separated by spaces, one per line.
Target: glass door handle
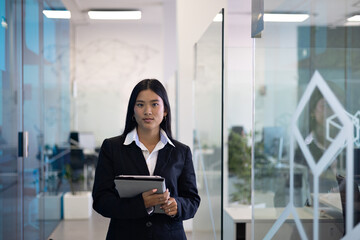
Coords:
pixel 23 143
pixel 26 144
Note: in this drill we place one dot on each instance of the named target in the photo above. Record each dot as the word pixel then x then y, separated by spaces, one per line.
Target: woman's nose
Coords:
pixel 148 111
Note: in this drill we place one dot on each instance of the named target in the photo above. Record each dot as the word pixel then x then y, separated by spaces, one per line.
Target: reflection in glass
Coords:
pixel 9 219
pixel 286 58
pixel 34 79
pixel 3 28
pixel 32 25
pixel 56 120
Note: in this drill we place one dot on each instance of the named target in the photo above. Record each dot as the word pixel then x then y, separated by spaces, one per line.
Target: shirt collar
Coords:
pixel 133 136
pixel 311 138
pixel 164 138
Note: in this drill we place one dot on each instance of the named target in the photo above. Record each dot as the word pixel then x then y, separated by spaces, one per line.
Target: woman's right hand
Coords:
pixel 151 198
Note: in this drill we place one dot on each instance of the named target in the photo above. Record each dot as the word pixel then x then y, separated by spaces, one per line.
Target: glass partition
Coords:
pixel 55 108
pixel 208 132
pixel 306 123
pixel 34 98
pixel 10 57
pixel 238 127
pixel 237 140
pixel 45 116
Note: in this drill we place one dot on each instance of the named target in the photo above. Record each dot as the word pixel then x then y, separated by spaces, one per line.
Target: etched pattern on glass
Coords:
pixel 345 135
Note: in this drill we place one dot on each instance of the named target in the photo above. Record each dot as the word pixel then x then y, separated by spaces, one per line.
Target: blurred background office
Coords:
pixel 240 75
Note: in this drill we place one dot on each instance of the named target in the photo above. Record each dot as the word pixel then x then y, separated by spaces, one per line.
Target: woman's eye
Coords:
pixel 139 104
pixel 155 104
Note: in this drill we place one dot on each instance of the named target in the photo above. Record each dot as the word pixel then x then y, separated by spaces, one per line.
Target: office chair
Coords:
pixel 342 189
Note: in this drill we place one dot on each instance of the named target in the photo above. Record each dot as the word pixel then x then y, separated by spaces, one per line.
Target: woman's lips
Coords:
pixel 147 120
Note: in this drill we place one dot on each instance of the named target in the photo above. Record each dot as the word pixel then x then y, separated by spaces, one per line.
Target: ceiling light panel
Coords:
pixel 115 15
pixel 282 17
pixel 59 14
pixel 355 18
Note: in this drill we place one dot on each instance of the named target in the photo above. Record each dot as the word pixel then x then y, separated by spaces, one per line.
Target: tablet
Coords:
pixel 132 185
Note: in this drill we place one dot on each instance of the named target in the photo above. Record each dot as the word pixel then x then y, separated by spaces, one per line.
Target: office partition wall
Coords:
pixel 208 95
pixel 34 117
pixel 306 121
pixel 10 64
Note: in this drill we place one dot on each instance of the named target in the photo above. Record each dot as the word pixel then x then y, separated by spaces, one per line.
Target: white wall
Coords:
pixel 170 39
pixel 193 18
pixel 170 60
pixel 239 62
pixel 109 59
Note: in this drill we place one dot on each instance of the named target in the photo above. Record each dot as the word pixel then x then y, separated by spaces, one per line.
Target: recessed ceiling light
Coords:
pixel 218 18
pixel 61 14
pixel 115 15
pixel 355 18
pixel 285 17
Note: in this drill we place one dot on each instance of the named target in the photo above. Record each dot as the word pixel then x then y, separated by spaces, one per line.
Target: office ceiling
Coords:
pixel 330 14
pixel 333 13
pixel 151 9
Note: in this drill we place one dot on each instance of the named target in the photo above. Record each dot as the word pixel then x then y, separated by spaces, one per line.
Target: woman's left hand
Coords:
pixel 170 208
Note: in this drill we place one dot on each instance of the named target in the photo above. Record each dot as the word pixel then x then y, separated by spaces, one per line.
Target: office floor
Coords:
pixel 89 229
pixel 93 228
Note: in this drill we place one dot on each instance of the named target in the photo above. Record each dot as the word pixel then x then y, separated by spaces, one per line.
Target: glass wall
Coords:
pixel 208 132
pixel 34 88
pixel 238 127
pixel 306 129
pixel 10 57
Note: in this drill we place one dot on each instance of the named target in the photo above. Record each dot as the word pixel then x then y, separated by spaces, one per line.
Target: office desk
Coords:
pixel 237 223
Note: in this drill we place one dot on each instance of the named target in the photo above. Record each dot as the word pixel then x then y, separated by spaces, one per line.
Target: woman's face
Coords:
pixel 149 110
pixel 319 111
pixel 322 112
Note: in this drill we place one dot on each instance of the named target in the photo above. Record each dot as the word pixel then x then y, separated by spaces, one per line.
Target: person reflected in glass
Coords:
pixel 146 147
pixel 317 143
pixel 331 180
pixel 319 112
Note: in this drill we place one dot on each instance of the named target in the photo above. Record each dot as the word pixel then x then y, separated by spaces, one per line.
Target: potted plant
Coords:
pixel 239 164
pixel 77 203
pixel 49 201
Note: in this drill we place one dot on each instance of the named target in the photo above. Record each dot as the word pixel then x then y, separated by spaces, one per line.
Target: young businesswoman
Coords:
pixel 146 147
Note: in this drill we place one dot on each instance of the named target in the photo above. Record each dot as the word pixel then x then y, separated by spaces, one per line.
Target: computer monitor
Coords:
pixel 87 142
pixel 273 141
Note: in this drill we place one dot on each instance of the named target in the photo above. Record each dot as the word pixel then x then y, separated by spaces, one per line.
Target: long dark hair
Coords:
pixel 314 99
pixel 155 86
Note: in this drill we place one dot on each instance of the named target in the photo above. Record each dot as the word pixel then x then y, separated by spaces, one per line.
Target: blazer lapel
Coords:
pixel 138 159
pixel 163 159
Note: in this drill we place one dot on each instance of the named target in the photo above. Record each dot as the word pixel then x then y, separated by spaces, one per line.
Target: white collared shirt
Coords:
pixel 312 138
pixel 150 158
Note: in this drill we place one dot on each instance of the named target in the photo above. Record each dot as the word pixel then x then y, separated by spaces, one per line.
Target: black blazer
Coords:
pixel 129 218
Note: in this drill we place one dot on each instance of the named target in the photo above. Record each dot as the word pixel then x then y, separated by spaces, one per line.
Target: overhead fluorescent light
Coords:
pixel 285 17
pixel 115 15
pixel 218 18
pixel 355 18
pixel 60 14
pixel 352 24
